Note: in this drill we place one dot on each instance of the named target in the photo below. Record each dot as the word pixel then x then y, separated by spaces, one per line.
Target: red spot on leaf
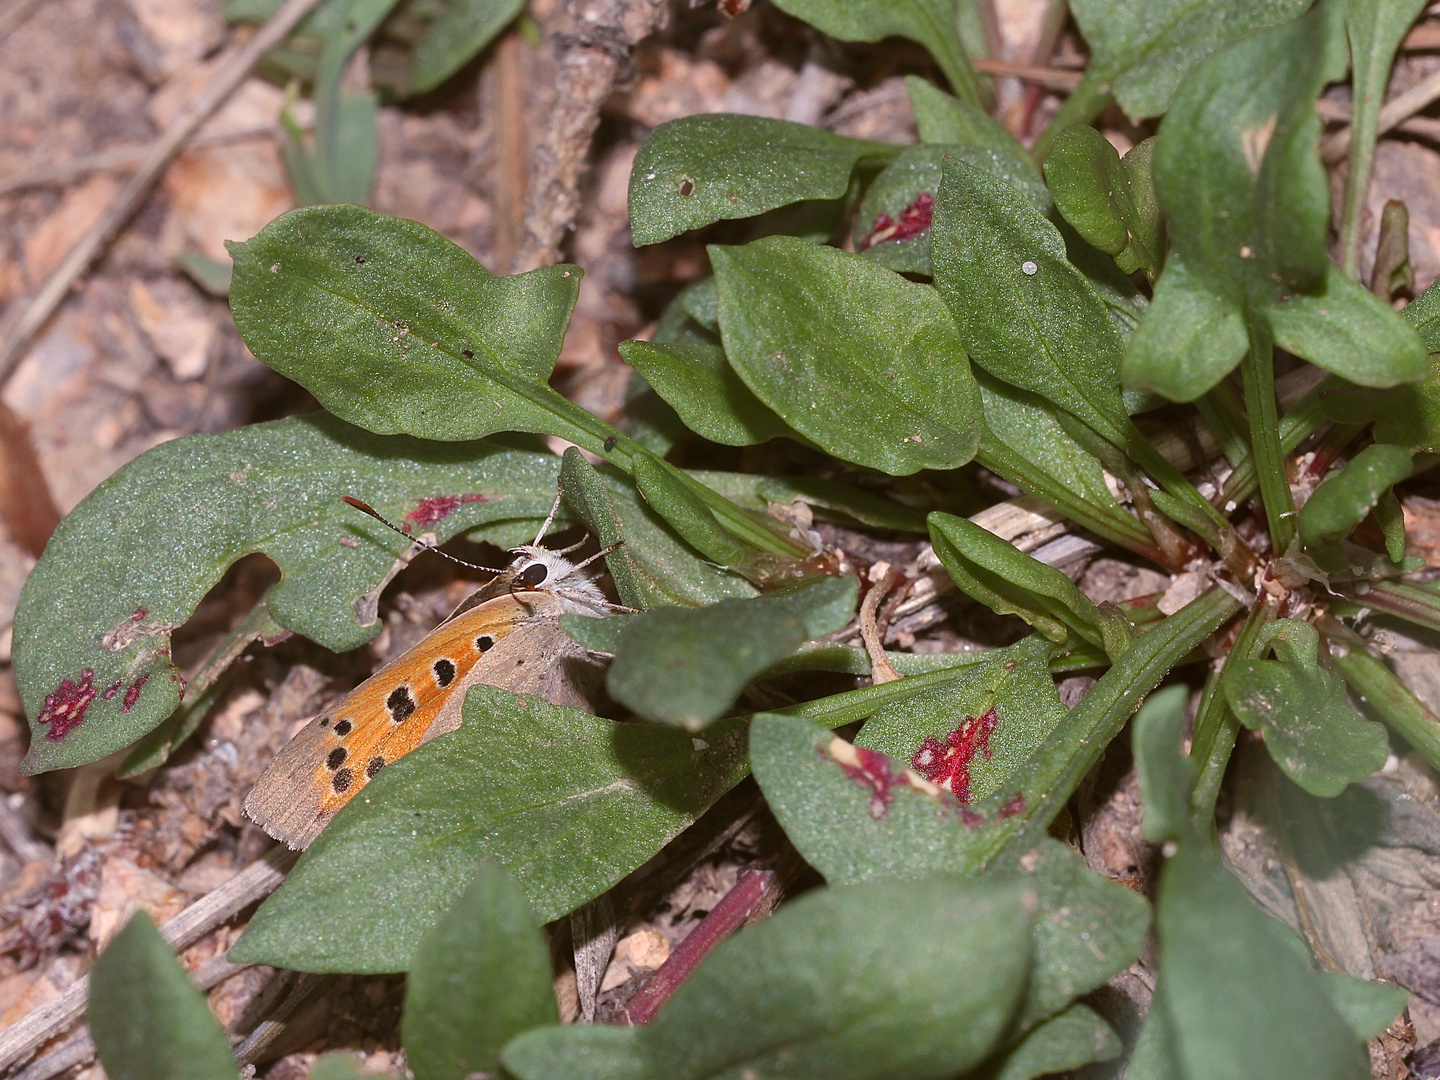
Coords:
pixel 913 220
pixel 1013 805
pixel 140 613
pixel 65 706
pixel 872 770
pixel 179 680
pixel 436 508
pixel 271 640
pixel 132 694
pixel 111 691
pixel 947 764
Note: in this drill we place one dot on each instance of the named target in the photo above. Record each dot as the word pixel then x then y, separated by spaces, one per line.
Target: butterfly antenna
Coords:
pixel 559 495
pixel 599 555
pixel 366 508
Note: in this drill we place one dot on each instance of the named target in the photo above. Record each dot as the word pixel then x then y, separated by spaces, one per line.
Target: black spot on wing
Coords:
pixel 343 727
pixel 336 758
pixel 400 703
pixel 444 672
pixel 376 764
pixel 484 643
pixel 341 780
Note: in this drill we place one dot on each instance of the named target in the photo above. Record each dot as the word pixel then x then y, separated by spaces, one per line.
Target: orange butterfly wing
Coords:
pixel 384 718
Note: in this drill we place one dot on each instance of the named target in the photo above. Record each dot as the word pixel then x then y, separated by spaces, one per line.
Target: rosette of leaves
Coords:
pixel 994 313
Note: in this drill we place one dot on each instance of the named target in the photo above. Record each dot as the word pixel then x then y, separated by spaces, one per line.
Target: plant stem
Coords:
pixel 1216 726
pixel 1052 773
pixel 723 920
pixel 1295 427
pixel 1419 604
pixel 1378 687
pixel 1258 371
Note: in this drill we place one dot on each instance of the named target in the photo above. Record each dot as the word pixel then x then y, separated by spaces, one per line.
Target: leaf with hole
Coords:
pixel 687 667
pixel 479 978
pixel 863 363
pixel 148 1020
pixel 93 626
pixel 880 981
pixel 699 170
pixel 566 802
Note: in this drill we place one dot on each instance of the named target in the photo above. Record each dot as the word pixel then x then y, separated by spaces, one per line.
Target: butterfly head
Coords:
pixel 541 570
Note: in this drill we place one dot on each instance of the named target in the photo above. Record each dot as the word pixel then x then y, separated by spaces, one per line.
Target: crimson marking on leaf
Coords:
pixel 271 640
pixel 1013 805
pixel 112 690
pixel 947 764
pixel 913 220
pixel 132 694
pixel 436 508
pixel 65 706
pixel 179 680
pixel 870 769
pixel 140 613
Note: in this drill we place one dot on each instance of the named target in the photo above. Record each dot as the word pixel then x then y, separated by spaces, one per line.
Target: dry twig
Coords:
pixel 592 58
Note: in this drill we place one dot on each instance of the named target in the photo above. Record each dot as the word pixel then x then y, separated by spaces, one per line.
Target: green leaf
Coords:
pixel 1344 499
pixel 1009 582
pixel 461 30
pixel 1190 338
pixel 1142 49
pixel 698 170
pixel 865 364
pixel 479 978
pixel 1092 191
pixel 881 981
pixel 666 493
pixel 892 226
pixel 1028 425
pixel 594 1051
pixel 942 118
pixel 1026 314
pixel 1311 730
pixel 1074 1038
pixel 107 594
pixel 566 802
pixel 393 327
pixel 1345 328
pixel 1241 1003
pixel 696 381
pixel 1014 682
pixel 1423 313
pixel 855 816
pixel 930 22
pixel 147 1018
pixel 653 567
pixel 1368 1007
pixel 1235 999
pixel 687 667
pixel 1407 415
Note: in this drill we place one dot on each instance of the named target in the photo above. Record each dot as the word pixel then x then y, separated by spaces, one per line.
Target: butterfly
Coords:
pixel 507 633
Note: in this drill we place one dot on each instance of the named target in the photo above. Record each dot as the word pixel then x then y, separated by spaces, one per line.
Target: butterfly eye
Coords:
pixel 535 574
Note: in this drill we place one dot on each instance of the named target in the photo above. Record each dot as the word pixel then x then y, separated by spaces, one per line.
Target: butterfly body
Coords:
pixel 505 634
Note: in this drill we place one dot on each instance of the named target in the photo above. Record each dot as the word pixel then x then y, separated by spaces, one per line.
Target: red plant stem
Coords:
pixel 724 919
